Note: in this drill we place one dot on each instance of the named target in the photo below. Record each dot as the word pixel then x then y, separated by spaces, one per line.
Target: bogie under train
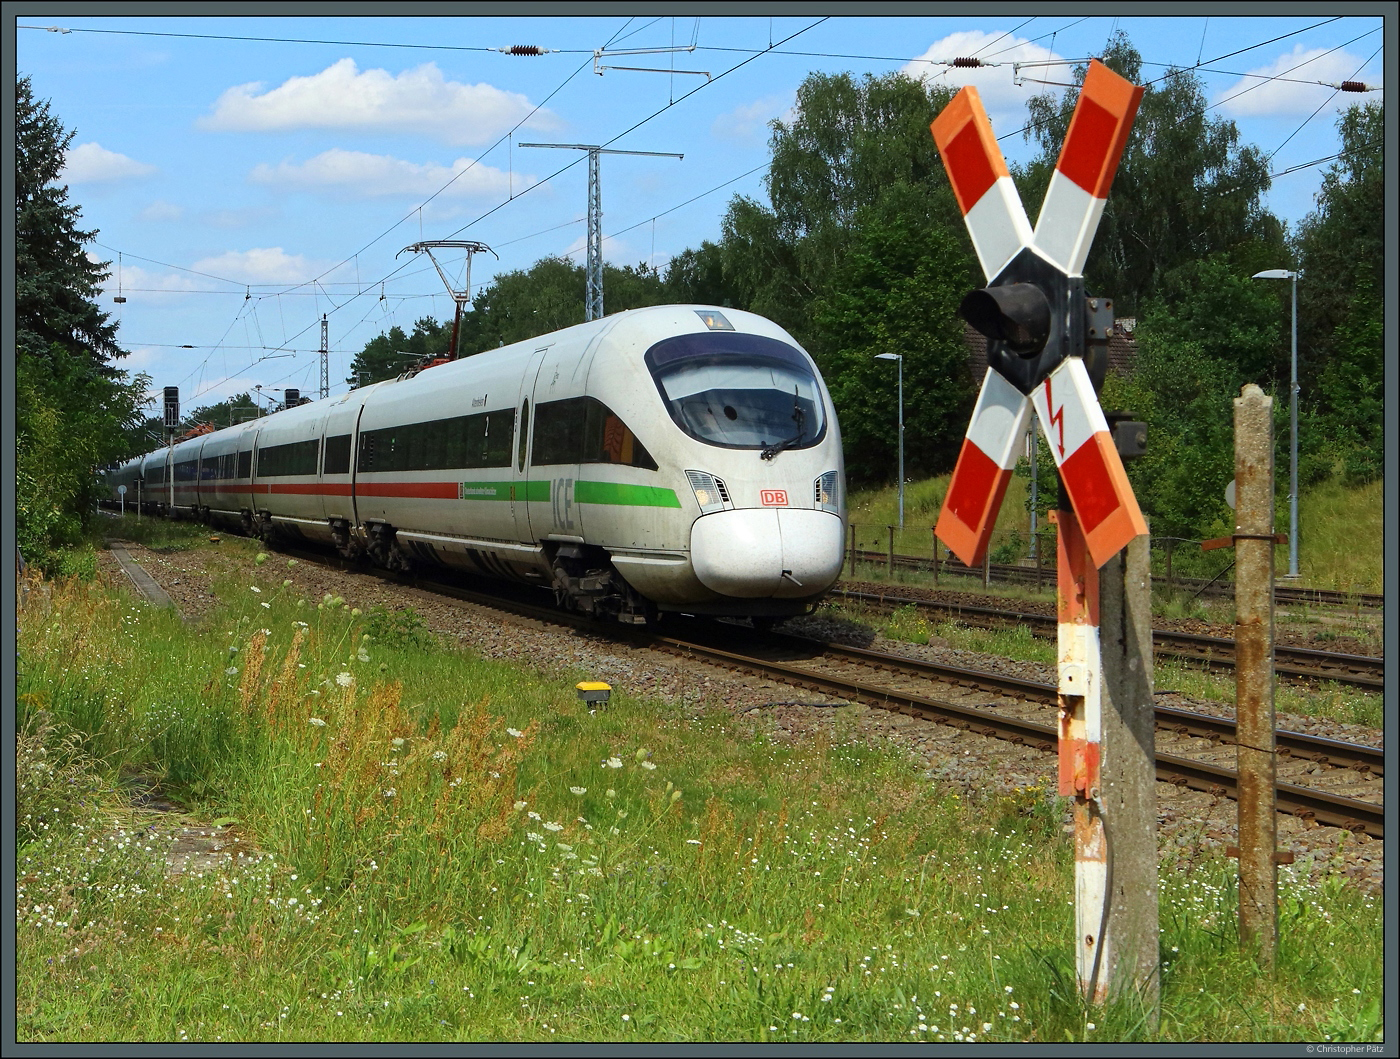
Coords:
pixel 673 458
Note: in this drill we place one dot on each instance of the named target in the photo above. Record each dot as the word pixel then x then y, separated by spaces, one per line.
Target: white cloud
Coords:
pixel 366 175
pixel 1002 97
pixel 160 210
pixel 260 265
pixel 1289 98
pixel 748 122
pixel 91 163
pixel 418 101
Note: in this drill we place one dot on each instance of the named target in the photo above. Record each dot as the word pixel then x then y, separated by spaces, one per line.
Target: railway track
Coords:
pixel 1299 664
pixel 1021 711
pixel 1003 573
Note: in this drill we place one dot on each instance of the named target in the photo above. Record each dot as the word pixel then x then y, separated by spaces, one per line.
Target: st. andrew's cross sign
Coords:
pixel 1033 311
pixel 1035 315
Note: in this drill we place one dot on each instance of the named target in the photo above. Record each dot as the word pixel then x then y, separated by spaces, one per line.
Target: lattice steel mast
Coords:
pixel 593 275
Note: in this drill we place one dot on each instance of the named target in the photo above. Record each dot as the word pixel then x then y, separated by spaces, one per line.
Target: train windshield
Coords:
pixel 739 391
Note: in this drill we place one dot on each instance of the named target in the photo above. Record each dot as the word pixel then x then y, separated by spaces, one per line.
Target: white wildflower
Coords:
pixel 648 765
pixel 256 589
pixel 316 721
pixel 578 790
pixel 344 679
pixel 550 825
pixel 613 763
pixel 516 732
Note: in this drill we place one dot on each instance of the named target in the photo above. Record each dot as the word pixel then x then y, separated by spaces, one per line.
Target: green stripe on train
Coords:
pixel 615 494
pixel 618 494
pixel 503 491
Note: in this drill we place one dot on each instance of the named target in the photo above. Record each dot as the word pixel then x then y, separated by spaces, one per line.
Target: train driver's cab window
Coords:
pixel 739 391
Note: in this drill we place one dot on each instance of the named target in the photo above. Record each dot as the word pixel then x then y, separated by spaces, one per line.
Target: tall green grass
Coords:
pixel 442 847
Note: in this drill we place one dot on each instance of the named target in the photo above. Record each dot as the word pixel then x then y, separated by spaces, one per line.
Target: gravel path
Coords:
pixel 1191 823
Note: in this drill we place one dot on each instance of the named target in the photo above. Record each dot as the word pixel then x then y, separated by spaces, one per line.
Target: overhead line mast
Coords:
pixel 593 282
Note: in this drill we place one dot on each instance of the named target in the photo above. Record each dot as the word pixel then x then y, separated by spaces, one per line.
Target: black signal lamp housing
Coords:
pixel 1033 316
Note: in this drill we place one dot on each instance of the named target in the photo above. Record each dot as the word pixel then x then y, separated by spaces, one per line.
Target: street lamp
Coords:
pixel 1289 274
pixel 900 359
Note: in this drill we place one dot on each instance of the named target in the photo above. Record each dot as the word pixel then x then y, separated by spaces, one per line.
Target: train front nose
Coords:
pixel 761 553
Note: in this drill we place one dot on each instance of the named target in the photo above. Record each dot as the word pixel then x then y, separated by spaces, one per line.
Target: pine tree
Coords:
pixel 72 405
pixel 56 285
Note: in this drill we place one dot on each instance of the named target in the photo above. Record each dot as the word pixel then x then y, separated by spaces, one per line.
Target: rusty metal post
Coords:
pixel 1080 745
pixel 853 549
pixel 987 569
pixel 1128 793
pixel 1254 671
pixel 889 566
pixel 935 560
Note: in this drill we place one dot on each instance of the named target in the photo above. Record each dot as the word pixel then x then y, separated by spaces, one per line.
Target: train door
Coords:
pixel 523 489
pixel 338 430
pixel 557 441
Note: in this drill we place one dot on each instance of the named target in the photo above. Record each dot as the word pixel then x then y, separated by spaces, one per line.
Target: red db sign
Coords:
pixel 774 497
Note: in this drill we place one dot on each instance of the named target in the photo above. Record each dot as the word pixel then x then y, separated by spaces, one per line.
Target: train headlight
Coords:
pixel 826 491
pixel 710 492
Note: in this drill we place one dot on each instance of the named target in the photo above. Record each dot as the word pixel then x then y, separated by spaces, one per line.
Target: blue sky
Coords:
pixel 251 185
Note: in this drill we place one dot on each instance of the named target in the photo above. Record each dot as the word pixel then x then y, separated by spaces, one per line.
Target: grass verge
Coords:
pixel 443 847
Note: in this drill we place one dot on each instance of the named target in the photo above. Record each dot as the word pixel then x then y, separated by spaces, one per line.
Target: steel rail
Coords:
pixel 1183 722
pixel 1334 810
pixel 1328 809
pixel 1283 594
pixel 1294 663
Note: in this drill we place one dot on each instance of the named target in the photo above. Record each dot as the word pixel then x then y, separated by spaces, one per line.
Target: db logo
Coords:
pixel 774 497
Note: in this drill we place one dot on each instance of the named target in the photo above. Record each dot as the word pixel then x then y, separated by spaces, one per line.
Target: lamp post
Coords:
pixel 1289 274
pixel 900 360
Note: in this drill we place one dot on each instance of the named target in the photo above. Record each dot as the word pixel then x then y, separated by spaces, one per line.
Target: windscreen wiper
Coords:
pixel 799 417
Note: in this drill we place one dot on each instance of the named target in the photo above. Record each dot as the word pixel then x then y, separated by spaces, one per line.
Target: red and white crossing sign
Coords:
pixel 1035 292
pixel 1033 313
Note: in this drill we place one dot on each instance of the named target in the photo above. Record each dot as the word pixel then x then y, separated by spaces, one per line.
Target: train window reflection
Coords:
pixel 739 391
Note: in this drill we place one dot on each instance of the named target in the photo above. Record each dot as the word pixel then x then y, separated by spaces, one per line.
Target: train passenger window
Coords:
pixel 739 391
pixel 474 441
pixel 524 430
pixel 585 430
pixel 186 470
pixel 296 458
pixel 337 460
pixel 245 464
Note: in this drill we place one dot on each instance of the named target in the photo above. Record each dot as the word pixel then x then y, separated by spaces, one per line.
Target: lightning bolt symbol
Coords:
pixel 1057 418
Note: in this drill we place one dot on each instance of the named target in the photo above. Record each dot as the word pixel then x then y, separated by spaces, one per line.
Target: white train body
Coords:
pixel 679 458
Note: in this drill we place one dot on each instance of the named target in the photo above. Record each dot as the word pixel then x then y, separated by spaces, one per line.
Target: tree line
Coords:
pixel 859 250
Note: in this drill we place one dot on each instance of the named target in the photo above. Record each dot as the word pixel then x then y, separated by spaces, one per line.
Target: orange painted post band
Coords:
pixel 1098 131
pixel 963 135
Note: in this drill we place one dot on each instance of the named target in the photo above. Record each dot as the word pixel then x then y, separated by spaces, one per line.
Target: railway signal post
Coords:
pixel 1046 351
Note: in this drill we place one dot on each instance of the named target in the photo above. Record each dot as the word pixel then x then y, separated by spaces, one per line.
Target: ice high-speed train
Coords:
pixel 673 458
